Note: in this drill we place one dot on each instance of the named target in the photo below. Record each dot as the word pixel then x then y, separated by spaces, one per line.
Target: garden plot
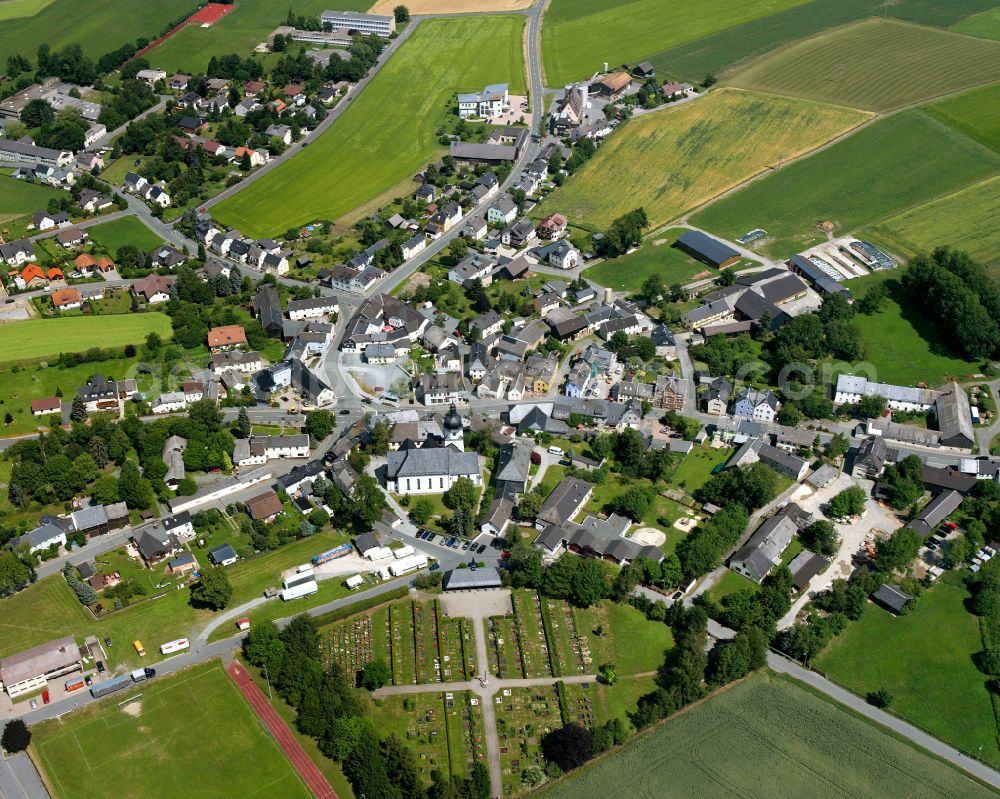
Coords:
pixel 457 648
pixel 571 644
pixel 531 631
pixel 401 642
pixel 524 716
pixel 350 644
pixel 464 720
pixel 504 646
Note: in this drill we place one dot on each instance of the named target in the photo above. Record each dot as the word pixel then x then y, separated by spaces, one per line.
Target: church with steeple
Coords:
pixel 433 469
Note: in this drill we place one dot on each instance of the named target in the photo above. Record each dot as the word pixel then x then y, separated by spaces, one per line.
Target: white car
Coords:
pixel 555 451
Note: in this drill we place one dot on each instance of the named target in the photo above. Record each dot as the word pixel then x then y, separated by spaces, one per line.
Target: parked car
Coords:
pixel 454 543
pixel 482 549
pixel 555 450
pixel 34 704
pixel 107 642
pixel 344 412
pixel 466 546
pixel 100 667
pixel 45 697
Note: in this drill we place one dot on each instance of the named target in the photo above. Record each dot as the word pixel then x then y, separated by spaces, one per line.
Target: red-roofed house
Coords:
pixel 55 273
pixel 253 87
pixel 214 148
pixel 106 265
pixel 552 226
pixel 293 90
pixel 226 337
pixel 32 275
pixel 256 159
pixel 66 299
pixel 45 406
pixel 84 261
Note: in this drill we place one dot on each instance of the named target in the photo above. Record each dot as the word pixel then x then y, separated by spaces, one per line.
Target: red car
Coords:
pixel 951 525
pixel 45 697
pixel 505 554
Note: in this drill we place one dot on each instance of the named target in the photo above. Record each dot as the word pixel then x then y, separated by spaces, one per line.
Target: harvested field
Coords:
pixel 876 64
pixel 451 6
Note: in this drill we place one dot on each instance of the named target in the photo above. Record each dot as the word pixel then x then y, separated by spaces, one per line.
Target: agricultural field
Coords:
pixel 240 31
pixel 896 653
pixel 144 748
pixel 385 136
pixel 902 160
pixel 33 339
pixel 127 231
pixel 450 6
pixel 771 737
pixel 626 31
pixel 18 198
pixel 986 25
pixel 965 220
pixel 975 113
pixel 876 64
pixel 524 716
pixel 98 26
pixel 674 160
pixel 13 9
pixel 445 729
pixel 629 272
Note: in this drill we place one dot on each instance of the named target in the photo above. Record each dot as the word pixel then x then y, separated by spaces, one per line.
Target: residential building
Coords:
pixel 17 252
pixel 29 671
pixel 559 254
pixel 66 299
pixel 242 362
pixel 46 406
pixel 41 538
pixel 566 500
pixel 851 388
pixel 761 406
pixel 439 389
pixel 264 507
pixel 717 396
pixel 312 308
pixel 870 458
pixel 226 337
pixel 258 450
pixel 503 211
pixel 491 102
pixel 954 417
pixel 103 395
pixel 763 550
pixel 267 308
pixel 153 289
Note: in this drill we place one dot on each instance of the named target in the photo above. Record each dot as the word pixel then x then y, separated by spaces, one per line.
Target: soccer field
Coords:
pixel 189 735
pixel 578 36
pixel 768 737
pixel 389 132
pixel 673 160
pixel 897 162
pixel 875 64
pixel 40 338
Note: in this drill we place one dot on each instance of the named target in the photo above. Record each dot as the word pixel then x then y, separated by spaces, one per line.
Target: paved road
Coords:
pixel 19 778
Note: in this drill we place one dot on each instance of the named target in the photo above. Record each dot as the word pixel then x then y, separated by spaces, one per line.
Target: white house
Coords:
pixel 491 102
pixel 761 406
pixel 243 362
pixel 313 308
pixel 430 470
pixel 503 211
pixel 169 402
pixel 850 389
pixel 42 538
pixel 414 246
pixel 258 450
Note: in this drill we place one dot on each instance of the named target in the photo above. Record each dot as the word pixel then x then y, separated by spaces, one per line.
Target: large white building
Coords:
pixel 851 388
pixel 491 102
pixel 258 450
pixel 29 671
pixel 369 24
pixel 433 470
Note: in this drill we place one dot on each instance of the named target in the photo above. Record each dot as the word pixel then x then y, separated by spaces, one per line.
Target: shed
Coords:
pixel 223 555
pixel 705 248
pixel 892 599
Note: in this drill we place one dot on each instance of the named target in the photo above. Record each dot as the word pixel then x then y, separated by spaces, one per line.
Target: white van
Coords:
pixel 555 451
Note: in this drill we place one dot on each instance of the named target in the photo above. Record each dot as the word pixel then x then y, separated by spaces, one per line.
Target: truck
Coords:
pixel 139 649
pixel 118 683
pixel 174 646
pixel 143 674
pixel 75 683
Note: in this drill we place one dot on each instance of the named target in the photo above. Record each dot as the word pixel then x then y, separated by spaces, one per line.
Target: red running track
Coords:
pixel 312 776
pixel 208 15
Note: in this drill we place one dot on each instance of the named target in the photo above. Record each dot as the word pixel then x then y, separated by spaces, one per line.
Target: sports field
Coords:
pixel 98 26
pixel 767 737
pixel 40 338
pixel 892 164
pixel 190 49
pixel 896 653
pixel 975 113
pixel 734 46
pixel 673 160
pixel 18 197
pixel 121 232
pixel 876 64
pixel 389 132
pixel 578 36
pixel 965 220
pixel 986 24
pixel 629 272
pixel 150 747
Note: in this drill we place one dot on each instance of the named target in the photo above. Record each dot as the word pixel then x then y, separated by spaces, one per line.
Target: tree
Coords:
pixel 421 511
pixel 37 113
pixel 529 505
pixel 849 502
pixel 401 13
pixel 634 503
pixel 880 698
pixel 134 489
pixel 608 674
pixel 319 424
pixel 898 550
pixel 16 736
pixel 243 423
pixel 462 495
pixel 480 781
pixel 588 584
pixel 78 413
pixel 837 446
pixel 568 747
pixel 374 675
pixel 989 661
pixel 14 574
pixel 263 647
pixel 368 500
pixel 212 590
pixel 525 564
pixel 820 537
pixel 872 406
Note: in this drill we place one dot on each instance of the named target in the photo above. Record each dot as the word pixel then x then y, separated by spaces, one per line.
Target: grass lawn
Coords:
pixel 676 159
pixel 696 468
pixel 121 232
pixel 98 26
pixel 18 197
pixel 386 135
pixel 986 24
pixel 975 113
pixel 632 642
pixel 605 703
pixel 146 748
pixel 241 30
pixel 40 338
pixel 578 36
pixel 903 160
pixel 12 9
pixel 769 738
pixel 965 220
pixel 904 347
pixel 729 583
pixel 629 272
pixel 932 678
pixel 875 64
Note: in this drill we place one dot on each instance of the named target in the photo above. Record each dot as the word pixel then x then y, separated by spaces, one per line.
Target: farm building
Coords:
pixel 707 249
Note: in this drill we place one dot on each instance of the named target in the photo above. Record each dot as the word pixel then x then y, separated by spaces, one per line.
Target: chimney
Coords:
pixel 608 296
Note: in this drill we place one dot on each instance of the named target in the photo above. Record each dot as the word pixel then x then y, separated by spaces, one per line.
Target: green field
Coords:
pixel 121 232
pixel 241 30
pixel 986 24
pixel 98 26
pixel 388 133
pixel 975 113
pixel 932 678
pixel 18 197
pixel 13 9
pixel 902 160
pixel 734 46
pixel 630 271
pixel 41 338
pixel 768 737
pixel 876 64
pixel 675 160
pixel 965 220
pixel 149 747
pixel 578 36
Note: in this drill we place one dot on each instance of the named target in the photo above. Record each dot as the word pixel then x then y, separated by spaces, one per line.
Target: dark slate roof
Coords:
pixel 709 248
